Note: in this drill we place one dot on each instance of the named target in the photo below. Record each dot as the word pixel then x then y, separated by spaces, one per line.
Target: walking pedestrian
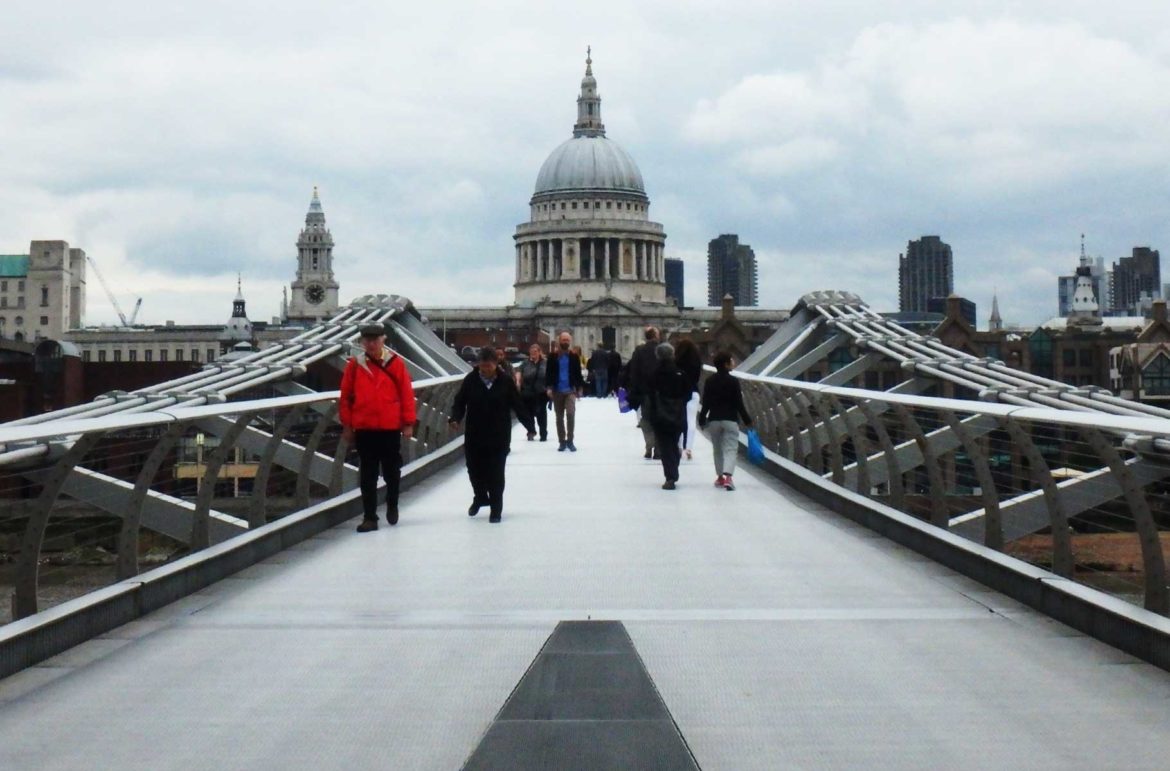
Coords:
pixel 686 355
pixel 564 385
pixel 639 373
pixel 376 410
pixel 615 368
pixel 531 379
pixel 486 399
pixel 503 363
pixel 665 409
pixel 722 401
pixel 599 372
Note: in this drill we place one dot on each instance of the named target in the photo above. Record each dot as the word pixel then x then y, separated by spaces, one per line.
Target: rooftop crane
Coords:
pixel 114 300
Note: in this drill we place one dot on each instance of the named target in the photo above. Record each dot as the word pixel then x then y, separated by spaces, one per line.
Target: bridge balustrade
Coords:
pixel 88 502
pixel 1082 494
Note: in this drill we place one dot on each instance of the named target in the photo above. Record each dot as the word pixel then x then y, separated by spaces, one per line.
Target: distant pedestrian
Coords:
pixel 686 355
pixel 599 372
pixel 564 385
pixel 503 363
pixel 665 408
pixel 722 401
pixel 638 374
pixel 532 380
pixel 615 368
pixel 376 409
pixel 486 399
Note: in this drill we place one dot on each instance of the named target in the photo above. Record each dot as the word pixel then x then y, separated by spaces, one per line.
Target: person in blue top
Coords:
pixel 565 383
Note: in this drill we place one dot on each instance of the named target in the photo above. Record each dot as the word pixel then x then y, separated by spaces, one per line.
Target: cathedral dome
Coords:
pixel 589 164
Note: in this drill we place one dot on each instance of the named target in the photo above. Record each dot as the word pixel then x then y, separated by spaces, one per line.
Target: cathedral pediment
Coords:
pixel 609 306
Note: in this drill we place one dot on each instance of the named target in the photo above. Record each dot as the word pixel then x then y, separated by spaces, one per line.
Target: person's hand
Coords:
pixel 407 432
pixel 347 434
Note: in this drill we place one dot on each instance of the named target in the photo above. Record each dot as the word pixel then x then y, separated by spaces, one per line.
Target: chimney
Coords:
pixel 1158 310
pixel 728 307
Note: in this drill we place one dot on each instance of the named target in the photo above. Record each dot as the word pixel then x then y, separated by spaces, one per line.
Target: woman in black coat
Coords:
pixel 667 403
pixel 690 361
pixel 487 398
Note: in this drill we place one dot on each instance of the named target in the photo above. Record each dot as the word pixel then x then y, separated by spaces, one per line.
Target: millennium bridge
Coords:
pixel 913 578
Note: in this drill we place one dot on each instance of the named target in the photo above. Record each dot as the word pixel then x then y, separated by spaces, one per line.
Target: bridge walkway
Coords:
pixel 778 635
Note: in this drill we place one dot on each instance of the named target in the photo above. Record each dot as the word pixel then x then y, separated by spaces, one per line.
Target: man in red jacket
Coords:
pixel 376 409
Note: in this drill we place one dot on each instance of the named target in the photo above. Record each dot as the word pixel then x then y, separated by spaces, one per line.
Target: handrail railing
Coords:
pixel 171 471
pixel 1083 493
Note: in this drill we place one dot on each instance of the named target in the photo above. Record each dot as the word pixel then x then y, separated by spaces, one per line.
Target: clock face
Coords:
pixel 314 293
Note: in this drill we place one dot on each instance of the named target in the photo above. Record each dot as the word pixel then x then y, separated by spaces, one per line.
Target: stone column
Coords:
pixel 608 271
pixel 641 260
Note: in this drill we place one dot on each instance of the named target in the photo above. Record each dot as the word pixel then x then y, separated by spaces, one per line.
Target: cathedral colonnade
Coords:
pixel 590 259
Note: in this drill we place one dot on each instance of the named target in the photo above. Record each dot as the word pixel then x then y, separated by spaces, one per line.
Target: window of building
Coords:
pixel 178 354
pixel 44 321
pixel 563 205
pixel 20 286
pixel 19 321
pixel 597 204
pixel 609 204
pixel 3 302
pixel 44 296
pixel 1086 357
pixel 574 204
pixel 1068 357
pixel 85 355
pixel 133 354
pixel 314 262
pixel 162 354
pixel 3 286
pixel 148 355
pixel 118 355
pixel 211 354
pixel 1156 376
pixel 194 354
pixel 101 355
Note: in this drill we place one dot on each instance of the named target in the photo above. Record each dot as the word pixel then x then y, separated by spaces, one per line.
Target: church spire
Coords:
pixel 316 215
pixel 238 311
pixel 589 104
pixel 995 323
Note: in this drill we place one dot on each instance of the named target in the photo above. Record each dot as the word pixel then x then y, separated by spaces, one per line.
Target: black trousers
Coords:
pixel 537 405
pixel 378 451
pixel 668 451
pixel 485 469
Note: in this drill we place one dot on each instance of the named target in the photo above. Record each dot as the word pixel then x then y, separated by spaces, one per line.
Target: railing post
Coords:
pixel 992 520
pixel 303 479
pixel 1062 556
pixel 939 514
pixel 1153 560
pixel 894 480
pixel 257 510
pixel 132 518
pixel 24 596
pixel 200 522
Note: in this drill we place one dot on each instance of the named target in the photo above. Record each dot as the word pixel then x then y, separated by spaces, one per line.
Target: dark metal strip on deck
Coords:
pixel 586 702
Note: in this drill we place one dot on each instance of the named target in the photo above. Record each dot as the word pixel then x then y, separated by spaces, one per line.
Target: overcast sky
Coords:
pixel 179 146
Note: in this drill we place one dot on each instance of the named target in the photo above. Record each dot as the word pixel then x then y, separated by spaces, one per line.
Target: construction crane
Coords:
pixel 114 300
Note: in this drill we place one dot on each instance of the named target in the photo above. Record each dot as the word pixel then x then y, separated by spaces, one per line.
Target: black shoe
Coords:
pixel 572 447
pixel 544 438
pixel 367 525
pixel 495 517
pixel 563 446
pixel 473 509
pixel 668 484
pixel 647 455
pixel 392 515
pixel 654 454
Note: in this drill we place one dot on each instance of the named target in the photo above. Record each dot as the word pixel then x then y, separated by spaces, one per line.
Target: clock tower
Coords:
pixel 314 292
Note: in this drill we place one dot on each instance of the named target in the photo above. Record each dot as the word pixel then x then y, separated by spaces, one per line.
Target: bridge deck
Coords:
pixel 778 635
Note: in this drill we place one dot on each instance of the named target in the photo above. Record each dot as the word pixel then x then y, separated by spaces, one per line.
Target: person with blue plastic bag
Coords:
pixel 722 401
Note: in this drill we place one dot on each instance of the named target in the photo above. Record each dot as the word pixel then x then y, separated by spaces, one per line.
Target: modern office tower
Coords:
pixel 674 280
pixel 924 272
pixel 731 270
pixel 1134 277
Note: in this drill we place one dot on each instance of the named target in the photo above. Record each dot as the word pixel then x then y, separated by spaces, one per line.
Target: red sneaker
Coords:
pixel 728 485
pixel 719 480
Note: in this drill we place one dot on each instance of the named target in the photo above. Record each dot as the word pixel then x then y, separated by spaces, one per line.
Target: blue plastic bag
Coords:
pixel 623 400
pixel 755 448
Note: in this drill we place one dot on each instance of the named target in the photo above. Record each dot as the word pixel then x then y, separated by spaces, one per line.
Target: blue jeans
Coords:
pixel 601 384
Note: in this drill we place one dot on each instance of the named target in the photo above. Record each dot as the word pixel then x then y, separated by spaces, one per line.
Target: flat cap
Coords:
pixel 373 330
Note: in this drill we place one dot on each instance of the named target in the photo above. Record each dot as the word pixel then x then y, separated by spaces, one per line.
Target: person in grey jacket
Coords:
pixel 722 401
pixel 532 380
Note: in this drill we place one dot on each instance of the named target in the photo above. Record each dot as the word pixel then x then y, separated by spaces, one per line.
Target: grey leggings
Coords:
pixel 724 436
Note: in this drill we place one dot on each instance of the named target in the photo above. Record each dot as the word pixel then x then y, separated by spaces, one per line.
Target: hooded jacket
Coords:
pixel 376 395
